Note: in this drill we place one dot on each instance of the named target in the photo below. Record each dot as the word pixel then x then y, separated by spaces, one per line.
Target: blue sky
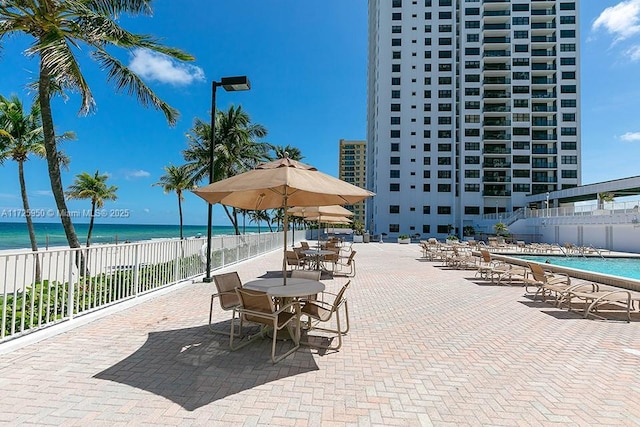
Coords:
pixel 307 65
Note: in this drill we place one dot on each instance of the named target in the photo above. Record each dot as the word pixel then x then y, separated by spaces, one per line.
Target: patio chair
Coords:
pixel 305 246
pixel 309 275
pixel 322 311
pixel 332 258
pixel 293 260
pixel 347 262
pixel 258 307
pixel 226 285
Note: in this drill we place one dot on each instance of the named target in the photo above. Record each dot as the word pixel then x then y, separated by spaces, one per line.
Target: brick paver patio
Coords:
pixel 427 346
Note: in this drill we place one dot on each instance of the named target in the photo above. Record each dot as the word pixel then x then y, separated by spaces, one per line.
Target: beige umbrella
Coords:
pixel 319 211
pixel 281 184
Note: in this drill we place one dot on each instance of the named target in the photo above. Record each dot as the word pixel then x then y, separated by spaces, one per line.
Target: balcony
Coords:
pixel 496 150
pixel 543 25
pixel 503 26
pixel 496 81
pixel 543 39
pixel 543 66
pixel 538 12
pixel 497 193
pixel 544 137
pixel 543 81
pixel 496 164
pixel 496 53
pixel 496 67
pixel 544 179
pixel 496 108
pixel 543 52
pixel 496 122
pixel 504 40
pixel 496 178
pixel 544 165
pixel 496 94
pixel 544 150
pixel 537 108
pixel 496 136
pixel 497 13
pixel 538 95
pixel 543 122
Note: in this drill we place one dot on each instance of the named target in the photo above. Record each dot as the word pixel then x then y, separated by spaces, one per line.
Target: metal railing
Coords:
pixel 39 289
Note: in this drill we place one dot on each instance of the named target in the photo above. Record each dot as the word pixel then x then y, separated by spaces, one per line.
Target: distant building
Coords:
pixel 352 169
pixel 472 106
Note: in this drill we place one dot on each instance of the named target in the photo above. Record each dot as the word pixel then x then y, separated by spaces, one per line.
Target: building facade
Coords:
pixel 472 106
pixel 352 169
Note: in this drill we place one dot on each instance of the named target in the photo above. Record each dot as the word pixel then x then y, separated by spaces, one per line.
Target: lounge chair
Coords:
pixel 548 283
pixel 596 298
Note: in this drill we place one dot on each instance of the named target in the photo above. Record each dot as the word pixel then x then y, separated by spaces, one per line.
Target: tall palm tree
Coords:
pixel 63 29
pixel 20 136
pixel 92 187
pixel 178 179
pixel 293 153
pixel 236 149
pixel 258 217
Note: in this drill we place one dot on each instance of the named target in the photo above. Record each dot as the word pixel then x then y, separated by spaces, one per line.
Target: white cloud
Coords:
pixel 155 66
pixel 634 53
pixel 136 174
pixel 630 136
pixel 621 20
pixel 8 196
pixel 146 210
pixel 45 193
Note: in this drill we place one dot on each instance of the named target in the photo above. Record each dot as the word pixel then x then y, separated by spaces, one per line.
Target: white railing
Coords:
pixel 39 289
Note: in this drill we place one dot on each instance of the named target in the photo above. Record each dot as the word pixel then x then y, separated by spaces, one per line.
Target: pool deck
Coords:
pixel 427 346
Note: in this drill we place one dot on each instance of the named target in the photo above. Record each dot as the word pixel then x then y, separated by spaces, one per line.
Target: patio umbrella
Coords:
pixel 282 183
pixel 317 213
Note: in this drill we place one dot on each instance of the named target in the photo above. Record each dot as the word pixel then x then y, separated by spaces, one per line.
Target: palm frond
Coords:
pixel 127 81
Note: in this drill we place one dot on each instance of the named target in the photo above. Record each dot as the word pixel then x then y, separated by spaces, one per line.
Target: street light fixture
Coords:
pixel 230 84
pixel 547 204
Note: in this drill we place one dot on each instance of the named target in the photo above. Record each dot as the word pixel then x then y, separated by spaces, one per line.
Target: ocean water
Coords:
pixel 14 235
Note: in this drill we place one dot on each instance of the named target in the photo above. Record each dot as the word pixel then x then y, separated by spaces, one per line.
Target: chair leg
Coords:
pixel 245 343
pixel 233 317
pixel 296 340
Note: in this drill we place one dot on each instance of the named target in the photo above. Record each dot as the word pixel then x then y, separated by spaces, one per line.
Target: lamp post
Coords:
pixel 547 204
pixel 230 84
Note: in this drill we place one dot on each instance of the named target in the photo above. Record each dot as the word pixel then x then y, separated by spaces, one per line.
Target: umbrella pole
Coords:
pixel 284 254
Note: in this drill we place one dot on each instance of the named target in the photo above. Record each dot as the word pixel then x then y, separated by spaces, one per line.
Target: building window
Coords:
pixel 570 174
pixel 395 146
pixel 395 94
pixel 395 81
pixel 397 3
pixel 472 91
pixel 394 173
pixel 397 16
pixel 444 210
pixel 394 228
pixel 521 103
pixel 471 64
pixel 567 19
pixel 568 6
pixel 444 174
pixel 443 229
pixel 567 61
pixel 569 145
pixel 395 68
pixel 394 209
pixel 394 186
pixel 395 133
pixel 472 210
pixel 444 120
pixel 568 103
pixel 444 94
pixel 521 48
pixel 426 161
pixel 471 160
pixel 567 47
pixel 472 38
pixel 426 228
pixel 426 147
pixel 395 107
pixel 569 160
pixel 472 78
pixel 444 134
pixel 520 20
pixel 444 15
pixel 521 34
pixel 520 7
pixel 521 188
pixel 472 188
pixel 426 210
pixel 395 120
pixel 444 188
pixel 426 188
pixel 396 55
pixel 520 173
pixel 471 173
pixel 444 54
pixel 567 34
pixel 444 107
pixel 472 132
pixel 426 174
pixel 472 146
pixel 395 29
pixel 568 88
pixel 568 131
pixel 569 75
pixel 396 42
pixel 472 24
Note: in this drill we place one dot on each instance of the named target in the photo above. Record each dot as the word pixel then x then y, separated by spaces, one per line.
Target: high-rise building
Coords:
pixel 472 105
pixel 352 169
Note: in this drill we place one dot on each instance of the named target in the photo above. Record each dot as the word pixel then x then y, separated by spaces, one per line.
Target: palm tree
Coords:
pixel 258 217
pixel 236 149
pixel 178 179
pixel 93 187
pixel 293 153
pixel 20 136
pixel 63 29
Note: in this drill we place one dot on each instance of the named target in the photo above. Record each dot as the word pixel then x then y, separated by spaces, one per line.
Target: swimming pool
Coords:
pixel 621 267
